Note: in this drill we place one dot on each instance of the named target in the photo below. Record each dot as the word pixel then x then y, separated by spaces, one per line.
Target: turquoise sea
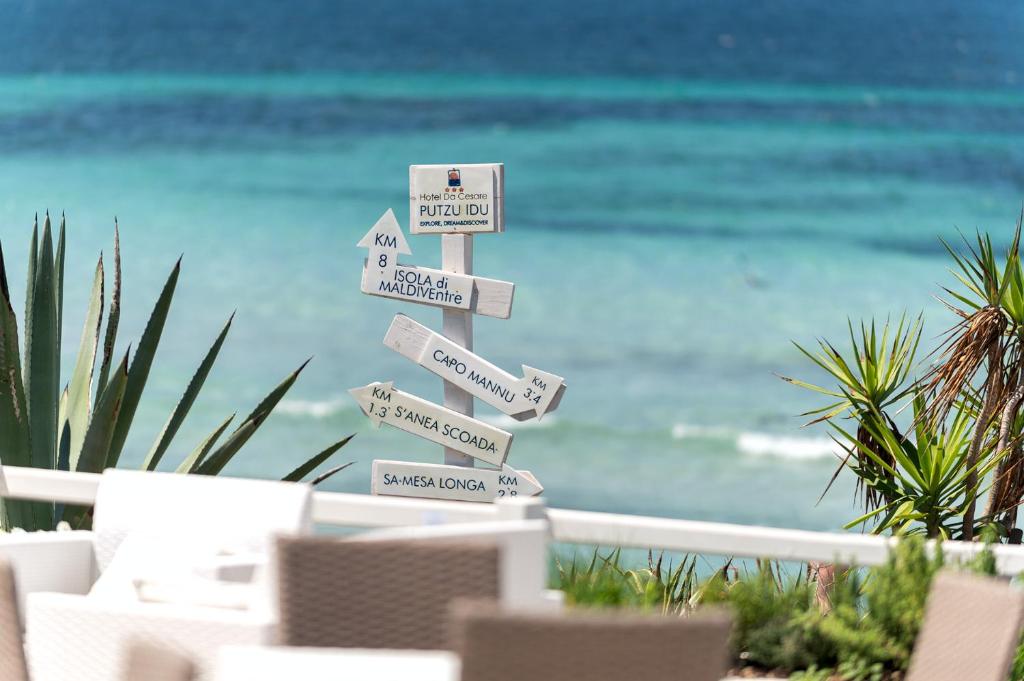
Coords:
pixel 689 187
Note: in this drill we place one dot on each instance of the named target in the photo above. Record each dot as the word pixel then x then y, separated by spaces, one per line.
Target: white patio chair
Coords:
pixel 85 637
pixel 12 651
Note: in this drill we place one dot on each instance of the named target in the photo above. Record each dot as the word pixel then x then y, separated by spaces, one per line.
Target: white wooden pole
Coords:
pixel 457 325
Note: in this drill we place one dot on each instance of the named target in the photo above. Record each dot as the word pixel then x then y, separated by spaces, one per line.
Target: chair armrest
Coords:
pixel 50 561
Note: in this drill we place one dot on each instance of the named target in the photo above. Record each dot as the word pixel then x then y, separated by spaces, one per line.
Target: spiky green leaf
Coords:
pixel 58 286
pixel 170 429
pixel 113 316
pixel 103 423
pixel 330 473
pixel 30 279
pixel 80 388
pixel 311 465
pixel 15 448
pixel 216 462
pixel 42 369
pixel 141 364
pixel 195 459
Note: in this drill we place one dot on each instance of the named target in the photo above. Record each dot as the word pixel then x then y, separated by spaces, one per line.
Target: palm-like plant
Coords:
pixel 84 425
pixel 991 312
pixel 967 422
pixel 873 379
pixel 929 479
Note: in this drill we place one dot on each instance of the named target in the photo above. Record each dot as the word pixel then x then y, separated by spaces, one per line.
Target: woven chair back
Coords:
pixel 382 594
pixel 971 629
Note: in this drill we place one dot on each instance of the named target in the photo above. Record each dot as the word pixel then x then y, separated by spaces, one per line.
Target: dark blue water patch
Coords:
pixel 620 195
pixel 335 189
pixel 925 245
pixel 211 121
pixel 964 163
pixel 944 43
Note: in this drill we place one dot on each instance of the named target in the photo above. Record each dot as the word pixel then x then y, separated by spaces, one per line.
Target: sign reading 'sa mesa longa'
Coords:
pixel 452 199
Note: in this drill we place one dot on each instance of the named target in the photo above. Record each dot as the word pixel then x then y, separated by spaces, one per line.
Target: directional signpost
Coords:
pixel 534 394
pixel 454 202
pixel 383 276
pixel 384 404
pixel 399 478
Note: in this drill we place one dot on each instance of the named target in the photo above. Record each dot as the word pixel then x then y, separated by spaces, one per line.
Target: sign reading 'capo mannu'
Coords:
pixel 457 199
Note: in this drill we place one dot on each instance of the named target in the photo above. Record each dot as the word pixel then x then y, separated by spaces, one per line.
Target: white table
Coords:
pixel 272 663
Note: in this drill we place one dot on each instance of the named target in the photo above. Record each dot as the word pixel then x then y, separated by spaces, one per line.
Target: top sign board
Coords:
pixel 457 199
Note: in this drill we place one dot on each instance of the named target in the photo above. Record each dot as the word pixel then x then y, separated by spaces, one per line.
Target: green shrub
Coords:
pixel 880 628
pixel 866 633
pixel 603 582
pixel 771 628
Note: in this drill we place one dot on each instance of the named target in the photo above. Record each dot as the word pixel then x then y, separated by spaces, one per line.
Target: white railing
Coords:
pixel 575 527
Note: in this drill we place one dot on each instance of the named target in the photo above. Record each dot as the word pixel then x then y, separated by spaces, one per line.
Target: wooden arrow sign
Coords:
pixel 435 481
pixel 383 403
pixel 383 276
pixel 535 394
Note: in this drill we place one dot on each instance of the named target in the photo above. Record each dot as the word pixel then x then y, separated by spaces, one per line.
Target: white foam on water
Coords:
pixel 763 444
pixel 682 431
pixel 318 409
pixel 506 422
pixel 787 447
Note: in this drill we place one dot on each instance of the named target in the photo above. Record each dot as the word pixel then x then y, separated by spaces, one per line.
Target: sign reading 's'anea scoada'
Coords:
pixel 452 199
pixel 457 200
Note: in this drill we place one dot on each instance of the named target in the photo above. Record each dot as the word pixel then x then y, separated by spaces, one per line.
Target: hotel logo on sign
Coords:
pixel 448 199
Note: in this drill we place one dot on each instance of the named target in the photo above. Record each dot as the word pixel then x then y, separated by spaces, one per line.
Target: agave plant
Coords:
pixel 84 425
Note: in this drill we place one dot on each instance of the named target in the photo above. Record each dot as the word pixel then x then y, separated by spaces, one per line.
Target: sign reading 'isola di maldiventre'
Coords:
pixel 384 276
pixel 456 200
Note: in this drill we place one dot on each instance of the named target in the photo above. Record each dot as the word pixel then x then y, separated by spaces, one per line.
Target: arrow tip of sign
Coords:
pixel 554 386
pixel 535 487
pixel 359 392
pixel 387 224
pixel 531 372
pixel 531 486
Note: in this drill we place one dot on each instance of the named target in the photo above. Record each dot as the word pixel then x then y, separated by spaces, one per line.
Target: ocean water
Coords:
pixel 689 187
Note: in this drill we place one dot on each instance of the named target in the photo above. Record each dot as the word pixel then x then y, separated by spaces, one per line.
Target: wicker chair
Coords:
pixel 148 662
pixel 383 594
pixel 12 649
pixel 497 645
pixel 971 629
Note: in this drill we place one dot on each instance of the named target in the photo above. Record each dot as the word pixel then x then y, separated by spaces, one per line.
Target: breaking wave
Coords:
pixel 508 423
pixel 762 444
pixel 318 409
